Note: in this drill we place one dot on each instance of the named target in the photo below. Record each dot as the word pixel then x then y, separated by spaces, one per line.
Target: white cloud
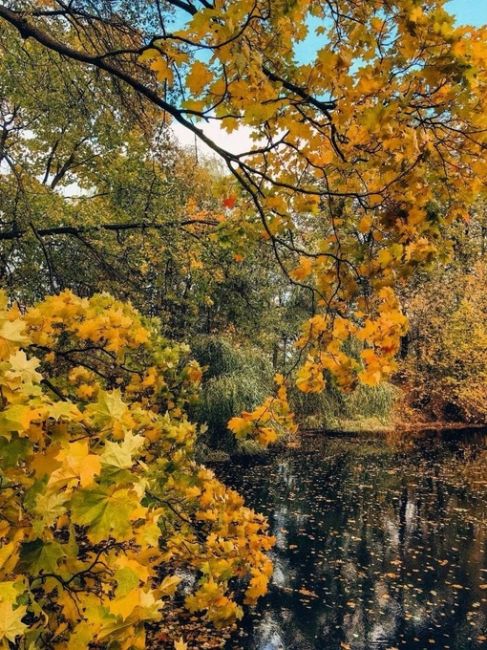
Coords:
pixel 236 142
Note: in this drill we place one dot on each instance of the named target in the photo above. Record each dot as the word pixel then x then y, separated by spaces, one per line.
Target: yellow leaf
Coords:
pixel 169 585
pixel 162 70
pixel 304 269
pixel 199 76
pixel 77 465
pixel 13 331
pixel 365 224
pixel 11 625
pixel 22 368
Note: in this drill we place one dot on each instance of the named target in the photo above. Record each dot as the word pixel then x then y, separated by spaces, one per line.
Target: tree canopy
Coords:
pixel 378 138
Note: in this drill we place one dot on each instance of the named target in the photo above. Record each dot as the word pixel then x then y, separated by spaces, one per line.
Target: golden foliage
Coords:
pixel 100 494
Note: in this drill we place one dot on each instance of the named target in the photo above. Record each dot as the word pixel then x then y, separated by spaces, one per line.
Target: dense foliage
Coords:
pixel 361 153
pixel 444 370
pixel 103 508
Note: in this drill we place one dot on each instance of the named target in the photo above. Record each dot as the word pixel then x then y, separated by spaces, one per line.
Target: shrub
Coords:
pixel 103 506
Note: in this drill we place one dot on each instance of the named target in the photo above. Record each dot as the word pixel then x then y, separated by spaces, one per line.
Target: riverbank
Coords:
pixel 371 426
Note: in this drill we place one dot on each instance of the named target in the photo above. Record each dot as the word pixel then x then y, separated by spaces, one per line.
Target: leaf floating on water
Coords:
pixel 345 540
pixel 306 592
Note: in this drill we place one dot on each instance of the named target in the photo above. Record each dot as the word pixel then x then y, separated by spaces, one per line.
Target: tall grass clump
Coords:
pixel 364 407
pixel 237 378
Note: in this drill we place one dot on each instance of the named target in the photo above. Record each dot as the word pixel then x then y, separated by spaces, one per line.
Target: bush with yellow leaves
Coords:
pixel 103 508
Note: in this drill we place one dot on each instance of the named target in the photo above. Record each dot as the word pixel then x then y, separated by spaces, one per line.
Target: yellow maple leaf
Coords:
pixel 198 77
pixel 13 331
pixel 169 585
pixel 11 625
pixel 303 270
pixel 23 368
pixel 77 465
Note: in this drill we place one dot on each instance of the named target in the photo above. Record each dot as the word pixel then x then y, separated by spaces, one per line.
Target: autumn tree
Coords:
pixel 103 508
pixel 129 211
pixel 363 157
pixel 444 368
pixel 101 197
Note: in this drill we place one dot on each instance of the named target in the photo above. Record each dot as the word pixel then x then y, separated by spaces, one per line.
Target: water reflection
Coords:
pixel 379 546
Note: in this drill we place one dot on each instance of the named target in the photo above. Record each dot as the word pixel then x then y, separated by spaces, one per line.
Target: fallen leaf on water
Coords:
pixel 306 592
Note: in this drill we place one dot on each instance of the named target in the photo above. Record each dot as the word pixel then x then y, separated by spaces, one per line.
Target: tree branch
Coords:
pixel 18 233
pixel 28 30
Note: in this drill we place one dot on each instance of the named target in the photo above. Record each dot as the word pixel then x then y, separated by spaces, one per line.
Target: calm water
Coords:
pixel 380 544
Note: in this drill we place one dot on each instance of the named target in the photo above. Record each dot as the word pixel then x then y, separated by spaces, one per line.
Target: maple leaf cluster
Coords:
pixel 104 508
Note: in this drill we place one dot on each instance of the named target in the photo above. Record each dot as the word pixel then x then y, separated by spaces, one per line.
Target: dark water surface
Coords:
pixel 381 544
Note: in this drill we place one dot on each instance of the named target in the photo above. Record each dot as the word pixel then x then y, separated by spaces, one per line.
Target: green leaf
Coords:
pixel 14 450
pixel 48 506
pixel 104 512
pixel 109 407
pixel 40 557
pixel 60 410
pixel 126 581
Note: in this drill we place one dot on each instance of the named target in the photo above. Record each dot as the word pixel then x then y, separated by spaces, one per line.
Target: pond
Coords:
pixel 381 543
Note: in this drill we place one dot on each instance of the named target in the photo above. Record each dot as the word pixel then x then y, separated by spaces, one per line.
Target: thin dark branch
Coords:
pixel 17 233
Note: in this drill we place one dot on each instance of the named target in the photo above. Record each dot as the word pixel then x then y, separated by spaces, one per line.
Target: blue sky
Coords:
pixel 471 12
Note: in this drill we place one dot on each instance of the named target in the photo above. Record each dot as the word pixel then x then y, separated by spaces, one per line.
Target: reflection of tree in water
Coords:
pixel 377 547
